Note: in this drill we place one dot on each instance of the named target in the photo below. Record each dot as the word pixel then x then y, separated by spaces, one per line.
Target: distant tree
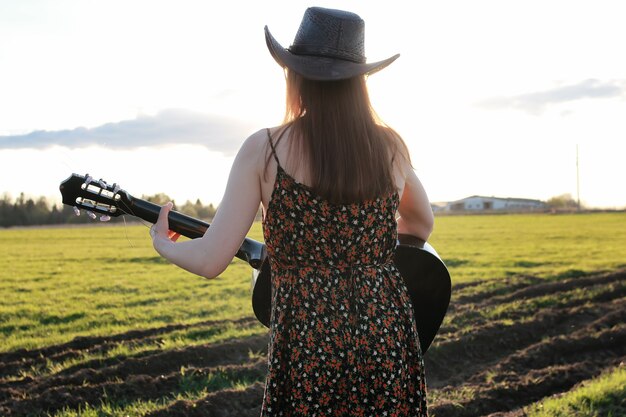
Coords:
pixel 55 216
pixel 198 210
pixel 6 208
pixel 562 202
pixel 26 211
pixel 189 209
pixel 18 214
pixel 40 211
pixel 205 212
pixel 160 198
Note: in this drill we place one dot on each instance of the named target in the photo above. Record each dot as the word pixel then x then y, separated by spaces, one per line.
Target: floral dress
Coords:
pixel 343 340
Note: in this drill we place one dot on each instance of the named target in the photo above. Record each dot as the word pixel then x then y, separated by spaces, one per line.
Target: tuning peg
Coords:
pixel 76 211
pixel 102 183
pixel 91 214
pixel 116 188
pixel 105 218
pixel 88 179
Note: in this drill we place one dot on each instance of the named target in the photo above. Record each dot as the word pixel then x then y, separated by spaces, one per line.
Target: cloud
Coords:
pixel 172 126
pixel 535 103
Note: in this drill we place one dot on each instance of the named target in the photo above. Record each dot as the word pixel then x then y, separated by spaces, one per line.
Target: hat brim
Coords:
pixel 321 68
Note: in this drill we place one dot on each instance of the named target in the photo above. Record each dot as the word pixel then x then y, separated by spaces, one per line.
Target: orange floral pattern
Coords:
pixel 343 340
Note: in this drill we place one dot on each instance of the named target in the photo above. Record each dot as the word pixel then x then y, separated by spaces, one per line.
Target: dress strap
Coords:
pixel 272 146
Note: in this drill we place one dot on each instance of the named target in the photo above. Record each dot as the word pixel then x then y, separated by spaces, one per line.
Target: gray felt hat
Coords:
pixel 329 45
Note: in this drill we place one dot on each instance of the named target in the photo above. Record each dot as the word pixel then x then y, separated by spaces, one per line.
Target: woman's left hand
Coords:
pixel 160 230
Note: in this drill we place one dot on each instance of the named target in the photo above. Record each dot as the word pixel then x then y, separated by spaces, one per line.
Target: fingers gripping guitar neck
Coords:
pixel 110 200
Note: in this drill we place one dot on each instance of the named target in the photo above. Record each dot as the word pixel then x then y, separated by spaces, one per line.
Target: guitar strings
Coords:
pixel 129 210
pixel 126 233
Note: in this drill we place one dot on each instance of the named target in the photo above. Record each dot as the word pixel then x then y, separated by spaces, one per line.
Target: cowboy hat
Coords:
pixel 328 46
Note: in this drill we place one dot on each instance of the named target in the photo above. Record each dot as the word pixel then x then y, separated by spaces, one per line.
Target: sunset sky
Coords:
pixel 492 97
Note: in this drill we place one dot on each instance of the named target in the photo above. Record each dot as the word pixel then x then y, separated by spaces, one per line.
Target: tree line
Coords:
pixel 28 211
pixel 24 211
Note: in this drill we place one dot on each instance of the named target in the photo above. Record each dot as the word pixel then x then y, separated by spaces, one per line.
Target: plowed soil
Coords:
pixel 546 337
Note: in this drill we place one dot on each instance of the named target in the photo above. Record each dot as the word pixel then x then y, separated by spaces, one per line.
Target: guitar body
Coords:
pixel 426 277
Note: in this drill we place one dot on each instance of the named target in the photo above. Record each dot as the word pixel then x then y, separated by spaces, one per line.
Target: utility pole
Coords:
pixel 577 181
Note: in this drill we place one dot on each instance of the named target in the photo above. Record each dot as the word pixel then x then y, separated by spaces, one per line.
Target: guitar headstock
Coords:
pixel 94 196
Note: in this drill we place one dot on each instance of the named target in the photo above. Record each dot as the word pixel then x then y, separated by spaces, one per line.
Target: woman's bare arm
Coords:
pixel 210 255
pixel 416 215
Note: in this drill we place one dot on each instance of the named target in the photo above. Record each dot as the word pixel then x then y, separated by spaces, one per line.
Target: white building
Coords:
pixel 482 203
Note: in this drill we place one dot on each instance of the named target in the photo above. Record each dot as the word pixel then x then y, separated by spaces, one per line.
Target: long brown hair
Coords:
pixel 337 134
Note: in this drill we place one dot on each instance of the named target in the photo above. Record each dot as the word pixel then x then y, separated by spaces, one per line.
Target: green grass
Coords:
pixel 59 283
pixel 604 396
pixel 565 245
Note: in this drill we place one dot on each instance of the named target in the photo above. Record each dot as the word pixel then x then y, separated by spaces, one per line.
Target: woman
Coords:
pixel 331 181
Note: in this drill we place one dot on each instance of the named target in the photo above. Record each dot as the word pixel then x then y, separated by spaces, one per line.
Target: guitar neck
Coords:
pixel 251 251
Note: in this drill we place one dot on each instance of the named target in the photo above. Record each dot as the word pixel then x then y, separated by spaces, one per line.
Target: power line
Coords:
pixel 577 180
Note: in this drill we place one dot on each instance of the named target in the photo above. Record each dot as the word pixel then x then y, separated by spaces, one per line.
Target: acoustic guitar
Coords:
pixel 426 276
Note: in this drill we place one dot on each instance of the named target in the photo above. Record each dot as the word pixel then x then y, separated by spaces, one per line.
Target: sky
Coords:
pixel 497 98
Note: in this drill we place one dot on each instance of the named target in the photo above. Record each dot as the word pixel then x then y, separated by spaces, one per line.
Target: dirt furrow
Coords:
pixel 226 403
pixel 11 363
pixel 504 286
pixel 160 363
pixel 528 387
pixel 135 387
pixel 547 288
pixel 609 343
pixel 454 361
pixel 613 281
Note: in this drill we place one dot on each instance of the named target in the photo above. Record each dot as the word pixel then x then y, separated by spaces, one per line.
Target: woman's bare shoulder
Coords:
pixel 256 147
pixel 258 142
pixel 256 139
pixel 260 138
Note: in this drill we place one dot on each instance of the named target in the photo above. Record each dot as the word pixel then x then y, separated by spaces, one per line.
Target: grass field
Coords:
pixel 91 319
